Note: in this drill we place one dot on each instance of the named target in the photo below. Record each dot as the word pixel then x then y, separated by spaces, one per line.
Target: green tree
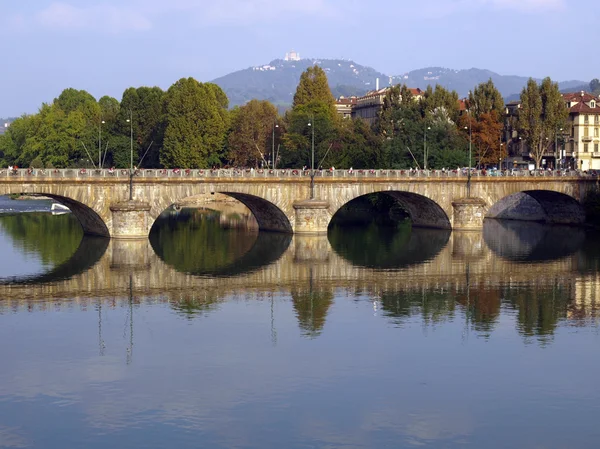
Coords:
pixel 440 105
pixel 486 99
pixel 543 112
pixel 251 138
pixel 196 125
pixel 595 86
pixel 314 104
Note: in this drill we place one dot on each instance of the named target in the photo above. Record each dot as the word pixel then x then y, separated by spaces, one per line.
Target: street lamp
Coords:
pixel 100 142
pixel 556 153
pixel 425 148
pixel 275 125
pixel 312 160
pixel 470 153
pixel 130 121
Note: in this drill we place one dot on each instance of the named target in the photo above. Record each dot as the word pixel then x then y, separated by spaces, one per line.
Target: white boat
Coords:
pixel 58 208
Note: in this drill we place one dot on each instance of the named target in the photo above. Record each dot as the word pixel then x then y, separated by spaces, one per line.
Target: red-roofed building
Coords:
pixel 368 106
pixel 344 106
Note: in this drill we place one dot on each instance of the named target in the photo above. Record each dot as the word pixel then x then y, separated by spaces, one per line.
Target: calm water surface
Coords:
pixel 366 338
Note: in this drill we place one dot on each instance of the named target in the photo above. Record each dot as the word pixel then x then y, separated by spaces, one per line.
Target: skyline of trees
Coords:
pixel 190 126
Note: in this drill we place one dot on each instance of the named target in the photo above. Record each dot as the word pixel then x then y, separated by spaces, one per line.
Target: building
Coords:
pixel 4 127
pixel 582 137
pixel 368 106
pixel 292 56
pixel 345 105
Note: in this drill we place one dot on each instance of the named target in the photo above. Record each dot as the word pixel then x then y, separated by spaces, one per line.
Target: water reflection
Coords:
pixel 194 242
pixel 387 247
pixel 306 343
pixel 531 242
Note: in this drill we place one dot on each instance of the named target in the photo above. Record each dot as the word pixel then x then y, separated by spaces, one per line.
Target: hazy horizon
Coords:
pixel 107 46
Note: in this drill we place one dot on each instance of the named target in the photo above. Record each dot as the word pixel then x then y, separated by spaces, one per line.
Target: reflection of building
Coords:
pixel 583 132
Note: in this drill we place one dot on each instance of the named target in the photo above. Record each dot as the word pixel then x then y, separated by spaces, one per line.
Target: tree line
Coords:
pixel 190 125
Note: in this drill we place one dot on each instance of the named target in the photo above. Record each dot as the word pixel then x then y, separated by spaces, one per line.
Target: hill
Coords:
pixel 277 80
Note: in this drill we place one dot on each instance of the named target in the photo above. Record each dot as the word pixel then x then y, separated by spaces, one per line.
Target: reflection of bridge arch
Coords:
pixel 538 205
pixel 88 253
pixel 531 242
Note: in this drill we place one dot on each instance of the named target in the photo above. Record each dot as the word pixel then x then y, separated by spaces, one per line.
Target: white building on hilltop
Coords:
pixel 292 56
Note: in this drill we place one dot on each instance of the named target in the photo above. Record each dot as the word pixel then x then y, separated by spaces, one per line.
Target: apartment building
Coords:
pixel 582 140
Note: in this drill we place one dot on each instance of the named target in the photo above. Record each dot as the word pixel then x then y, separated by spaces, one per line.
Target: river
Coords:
pixel 211 336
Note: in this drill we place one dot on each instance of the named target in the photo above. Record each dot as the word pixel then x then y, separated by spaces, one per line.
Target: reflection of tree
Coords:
pixel 194 307
pixel 194 241
pixel 539 310
pixel 434 307
pixel 311 308
pixel 384 247
pixel 54 238
pixel 482 307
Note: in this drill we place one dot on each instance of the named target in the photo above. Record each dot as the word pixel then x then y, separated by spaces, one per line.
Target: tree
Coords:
pixel 486 99
pixel 486 132
pixel 440 105
pixel 543 112
pixel 196 124
pixel 595 86
pixel 146 107
pixel 251 137
pixel 313 103
pixel 313 88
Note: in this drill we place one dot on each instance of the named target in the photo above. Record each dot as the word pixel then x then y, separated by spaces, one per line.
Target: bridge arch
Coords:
pixel 268 215
pixel 546 206
pixel 423 211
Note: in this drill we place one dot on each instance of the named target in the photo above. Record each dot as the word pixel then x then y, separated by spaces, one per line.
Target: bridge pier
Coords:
pixel 130 220
pixel 312 216
pixel 468 214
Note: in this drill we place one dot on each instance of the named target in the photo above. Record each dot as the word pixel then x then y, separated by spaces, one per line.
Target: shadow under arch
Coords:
pixel 268 216
pixel 88 253
pixel 423 212
pixel 520 241
pixel 387 248
pixel 544 206
pixel 91 223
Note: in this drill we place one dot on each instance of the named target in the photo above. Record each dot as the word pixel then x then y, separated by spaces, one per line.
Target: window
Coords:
pixel 585 147
pixel 586 132
pixel 595 132
pixel 586 118
pixel 592 104
pixel 595 148
pixel 597 119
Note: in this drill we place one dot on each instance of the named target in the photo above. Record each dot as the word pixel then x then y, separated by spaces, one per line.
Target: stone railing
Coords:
pixel 83 173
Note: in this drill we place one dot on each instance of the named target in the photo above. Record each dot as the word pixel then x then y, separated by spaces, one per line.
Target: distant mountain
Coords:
pixel 277 81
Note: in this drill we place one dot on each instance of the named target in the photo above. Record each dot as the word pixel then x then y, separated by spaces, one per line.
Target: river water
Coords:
pixel 208 336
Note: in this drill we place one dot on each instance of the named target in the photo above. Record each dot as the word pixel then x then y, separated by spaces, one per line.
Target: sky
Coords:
pixel 107 46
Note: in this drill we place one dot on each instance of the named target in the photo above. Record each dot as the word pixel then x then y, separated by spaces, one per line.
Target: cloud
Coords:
pixel 99 17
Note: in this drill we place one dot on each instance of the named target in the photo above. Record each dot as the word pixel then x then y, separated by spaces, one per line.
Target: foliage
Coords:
pixel 196 124
pixel 251 140
pixel 595 86
pixel 486 99
pixel 486 133
pixel 543 112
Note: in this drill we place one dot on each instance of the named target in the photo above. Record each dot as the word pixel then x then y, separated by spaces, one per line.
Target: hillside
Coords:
pixel 277 80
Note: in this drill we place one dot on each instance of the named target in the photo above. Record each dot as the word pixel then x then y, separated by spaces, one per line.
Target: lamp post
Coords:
pixel 130 121
pixel 275 125
pixel 501 157
pixel 470 153
pixel 312 159
pixel 557 155
pixel 425 148
pixel 100 142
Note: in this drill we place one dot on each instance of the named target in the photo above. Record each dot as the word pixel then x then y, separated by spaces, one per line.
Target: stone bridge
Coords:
pixel 113 204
